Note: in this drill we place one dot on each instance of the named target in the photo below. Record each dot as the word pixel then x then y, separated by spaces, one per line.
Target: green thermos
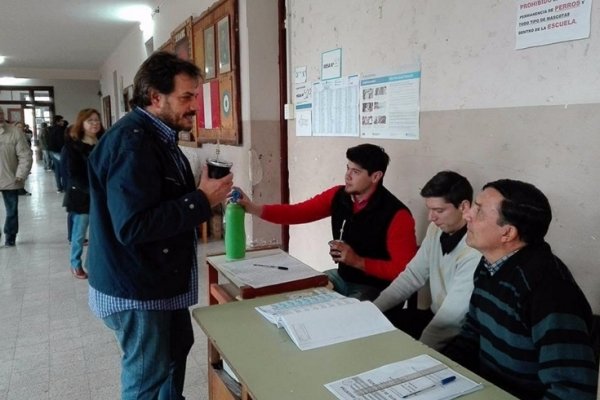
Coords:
pixel 235 232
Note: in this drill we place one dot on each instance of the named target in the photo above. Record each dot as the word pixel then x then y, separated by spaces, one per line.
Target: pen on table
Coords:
pixel 271 266
pixel 444 381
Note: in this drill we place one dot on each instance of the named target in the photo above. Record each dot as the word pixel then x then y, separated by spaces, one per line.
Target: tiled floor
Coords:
pixel 51 346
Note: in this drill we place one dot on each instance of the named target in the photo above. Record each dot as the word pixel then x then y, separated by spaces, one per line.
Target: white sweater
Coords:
pixel 450 280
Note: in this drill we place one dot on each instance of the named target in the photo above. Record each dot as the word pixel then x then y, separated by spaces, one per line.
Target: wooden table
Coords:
pixel 229 290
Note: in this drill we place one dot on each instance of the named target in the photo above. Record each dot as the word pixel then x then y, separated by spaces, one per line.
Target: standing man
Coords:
pixel 15 164
pixel 43 137
pixel 528 325
pixel 145 209
pixel 444 259
pixel 376 229
pixel 55 142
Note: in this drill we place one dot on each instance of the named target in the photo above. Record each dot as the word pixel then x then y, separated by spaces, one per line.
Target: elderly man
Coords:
pixel 145 208
pixel 528 325
pixel 15 165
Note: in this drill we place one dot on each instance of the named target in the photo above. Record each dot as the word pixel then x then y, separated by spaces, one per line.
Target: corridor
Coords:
pixel 51 346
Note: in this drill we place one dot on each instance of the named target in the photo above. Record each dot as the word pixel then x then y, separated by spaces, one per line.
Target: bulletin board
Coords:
pixel 216 52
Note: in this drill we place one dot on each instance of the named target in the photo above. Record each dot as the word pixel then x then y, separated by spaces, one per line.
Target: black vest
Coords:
pixel 365 231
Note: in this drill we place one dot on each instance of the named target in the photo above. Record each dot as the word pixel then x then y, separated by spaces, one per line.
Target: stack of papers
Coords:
pixel 326 318
pixel 419 378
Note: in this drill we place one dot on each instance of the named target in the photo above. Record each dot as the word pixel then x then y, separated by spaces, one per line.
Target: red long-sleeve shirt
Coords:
pixel 401 240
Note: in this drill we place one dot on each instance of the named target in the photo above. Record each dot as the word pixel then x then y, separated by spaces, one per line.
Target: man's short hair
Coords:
pixel 525 207
pixel 451 186
pixel 57 119
pixel 158 72
pixel 370 157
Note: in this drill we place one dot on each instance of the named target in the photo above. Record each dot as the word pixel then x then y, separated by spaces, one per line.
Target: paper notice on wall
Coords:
pixel 541 22
pixel 335 107
pixel 389 106
pixel 303 100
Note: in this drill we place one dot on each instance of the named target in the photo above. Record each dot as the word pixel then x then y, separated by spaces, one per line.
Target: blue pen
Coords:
pixel 448 380
pixel 444 381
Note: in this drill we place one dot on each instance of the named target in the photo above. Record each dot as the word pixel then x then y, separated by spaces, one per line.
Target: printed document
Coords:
pixel 328 322
pixel 418 378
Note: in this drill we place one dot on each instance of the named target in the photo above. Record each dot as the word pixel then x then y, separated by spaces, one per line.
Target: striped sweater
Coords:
pixel 527 329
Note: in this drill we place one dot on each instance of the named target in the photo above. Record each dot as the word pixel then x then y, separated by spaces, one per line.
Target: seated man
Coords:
pixel 377 230
pixel 444 259
pixel 528 325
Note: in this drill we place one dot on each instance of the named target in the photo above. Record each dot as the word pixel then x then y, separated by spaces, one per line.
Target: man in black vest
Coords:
pixel 374 232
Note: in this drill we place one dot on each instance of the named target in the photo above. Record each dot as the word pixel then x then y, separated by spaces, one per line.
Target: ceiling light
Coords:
pixel 11 80
pixel 2 59
pixel 143 15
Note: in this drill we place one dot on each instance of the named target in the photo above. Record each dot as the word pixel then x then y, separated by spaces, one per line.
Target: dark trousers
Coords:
pixel 11 223
pixel 409 320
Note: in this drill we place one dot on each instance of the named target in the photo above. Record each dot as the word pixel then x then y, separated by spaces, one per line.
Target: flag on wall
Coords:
pixel 209 112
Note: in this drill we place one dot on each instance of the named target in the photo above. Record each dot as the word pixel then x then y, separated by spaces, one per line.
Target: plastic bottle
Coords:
pixel 235 232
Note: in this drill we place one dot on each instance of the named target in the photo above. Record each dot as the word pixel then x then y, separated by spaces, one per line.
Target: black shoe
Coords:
pixel 9 243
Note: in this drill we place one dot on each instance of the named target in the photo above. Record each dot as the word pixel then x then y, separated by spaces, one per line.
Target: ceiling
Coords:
pixel 62 34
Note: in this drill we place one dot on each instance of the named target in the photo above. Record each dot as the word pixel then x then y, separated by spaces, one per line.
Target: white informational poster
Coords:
pixel 335 107
pixel 541 22
pixel 331 64
pixel 389 106
pixel 303 100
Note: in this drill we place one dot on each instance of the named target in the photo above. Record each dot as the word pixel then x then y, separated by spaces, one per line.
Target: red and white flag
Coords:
pixel 209 112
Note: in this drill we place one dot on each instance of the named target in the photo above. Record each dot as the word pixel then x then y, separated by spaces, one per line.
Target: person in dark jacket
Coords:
pixel 55 142
pixel 145 210
pixel 83 135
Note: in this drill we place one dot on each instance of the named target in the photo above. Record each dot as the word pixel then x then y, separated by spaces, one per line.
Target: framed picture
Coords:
pixel 182 41
pixel 209 52
pixel 224 47
pixel 15 115
pixel 106 111
pixel 127 96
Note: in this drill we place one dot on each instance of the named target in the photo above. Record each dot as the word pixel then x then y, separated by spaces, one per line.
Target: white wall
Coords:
pixel 488 111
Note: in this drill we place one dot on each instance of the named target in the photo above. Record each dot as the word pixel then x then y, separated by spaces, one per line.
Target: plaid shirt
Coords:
pixel 103 305
pixel 495 267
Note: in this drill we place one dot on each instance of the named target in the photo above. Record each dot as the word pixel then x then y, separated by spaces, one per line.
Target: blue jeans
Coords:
pixel 80 226
pixel 11 223
pixel 351 289
pixel 47 159
pixel 155 347
pixel 55 156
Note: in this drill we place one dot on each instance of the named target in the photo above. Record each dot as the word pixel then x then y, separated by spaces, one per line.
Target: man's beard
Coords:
pixel 169 118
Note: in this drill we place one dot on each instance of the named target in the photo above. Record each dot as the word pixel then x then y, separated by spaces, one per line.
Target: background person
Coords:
pixel 55 141
pixel 444 260
pixel 84 135
pixel 378 229
pixel 15 164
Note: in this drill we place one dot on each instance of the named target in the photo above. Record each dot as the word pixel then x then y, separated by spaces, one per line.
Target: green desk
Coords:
pixel 271 367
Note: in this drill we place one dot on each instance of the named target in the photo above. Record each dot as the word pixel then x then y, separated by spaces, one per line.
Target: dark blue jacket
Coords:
pixel 142 215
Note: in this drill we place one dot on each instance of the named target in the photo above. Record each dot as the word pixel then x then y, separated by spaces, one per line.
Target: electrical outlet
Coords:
pixel 288 111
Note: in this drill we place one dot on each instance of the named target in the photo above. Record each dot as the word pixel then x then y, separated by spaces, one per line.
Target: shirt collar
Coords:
pixel 495 266
pixel 165 133
pixel 450 241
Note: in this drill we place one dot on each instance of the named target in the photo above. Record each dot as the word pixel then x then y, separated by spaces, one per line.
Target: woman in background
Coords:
pixel 84 135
